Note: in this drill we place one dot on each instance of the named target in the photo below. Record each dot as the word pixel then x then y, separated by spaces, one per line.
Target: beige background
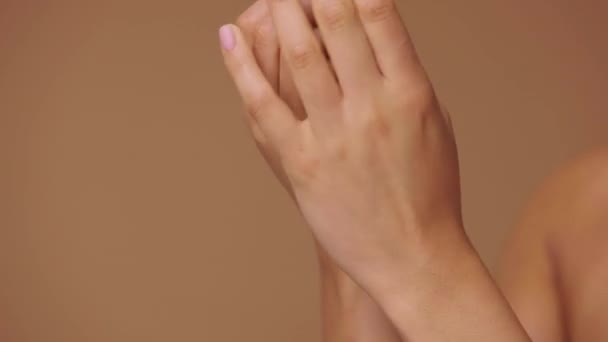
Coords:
pixel 134 206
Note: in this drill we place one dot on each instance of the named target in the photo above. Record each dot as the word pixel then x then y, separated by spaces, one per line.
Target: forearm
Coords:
pixel 444 293
pixel 348 313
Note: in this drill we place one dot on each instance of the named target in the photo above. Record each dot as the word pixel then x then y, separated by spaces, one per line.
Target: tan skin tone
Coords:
pixel 555 267
pixel 348 312
pixel 395 262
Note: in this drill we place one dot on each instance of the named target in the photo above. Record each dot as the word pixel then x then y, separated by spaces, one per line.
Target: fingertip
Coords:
pixel 228 38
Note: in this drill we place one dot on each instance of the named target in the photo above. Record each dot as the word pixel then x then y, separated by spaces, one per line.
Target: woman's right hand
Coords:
pixel 346 309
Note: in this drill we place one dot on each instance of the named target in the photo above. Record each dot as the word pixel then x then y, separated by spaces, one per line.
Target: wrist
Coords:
pixel 446 261
pixel 447 279
pixel 423 253
pixel 430 258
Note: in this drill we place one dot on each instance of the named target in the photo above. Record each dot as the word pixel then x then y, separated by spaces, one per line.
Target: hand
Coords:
pixel 258 30
pixel 373 167
pixel 346 309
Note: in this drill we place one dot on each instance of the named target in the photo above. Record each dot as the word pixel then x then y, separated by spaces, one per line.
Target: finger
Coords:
pixel 249 20
pixel 289 92
pixel 325 53
pixel 307 7
pixel 258 12
pixel 256 25
pixel 266 109
pixel 311 72
pixel 388 36
pixel 347 44
pixel 266 50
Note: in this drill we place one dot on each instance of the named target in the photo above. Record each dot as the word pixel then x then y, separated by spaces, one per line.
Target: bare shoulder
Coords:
pixel 556 255
pixel 568 214
pixel 575 193
pixel 572 199
pixel 588 173
pixel 577 198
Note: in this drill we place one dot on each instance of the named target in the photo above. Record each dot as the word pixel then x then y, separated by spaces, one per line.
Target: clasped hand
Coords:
pixel 351 126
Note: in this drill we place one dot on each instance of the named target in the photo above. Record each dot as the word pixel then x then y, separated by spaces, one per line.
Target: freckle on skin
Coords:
pixel 309 168
pixel 342 154
pixel 382 128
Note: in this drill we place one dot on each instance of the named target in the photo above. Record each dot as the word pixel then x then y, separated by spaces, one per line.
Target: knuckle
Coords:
pixel 377 126
pixel 420 104
pixel 246 22
pixel 258 136
pixel 413 93
pixel 248 19
pixel 376 10
pixel 259 104
pixel 264 34
pixel 235 65
pixel 303 56
pixel 421 96
pixel 332 13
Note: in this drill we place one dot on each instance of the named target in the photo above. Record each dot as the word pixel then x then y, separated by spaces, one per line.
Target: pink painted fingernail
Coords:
pixel 227 37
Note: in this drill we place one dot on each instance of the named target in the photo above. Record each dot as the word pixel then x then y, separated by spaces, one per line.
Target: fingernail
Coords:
pixel 227 37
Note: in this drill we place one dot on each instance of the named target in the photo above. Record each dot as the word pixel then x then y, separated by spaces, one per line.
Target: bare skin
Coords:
pixel 555 267
pixel 348 313
pixel 373 167
pixel 410 290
